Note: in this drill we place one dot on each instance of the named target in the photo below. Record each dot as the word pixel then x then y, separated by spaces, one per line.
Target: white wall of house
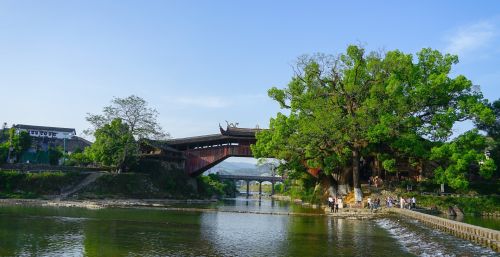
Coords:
pixel 49 133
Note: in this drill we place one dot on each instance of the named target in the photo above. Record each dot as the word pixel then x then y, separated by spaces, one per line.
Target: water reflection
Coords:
pixel 40 231
pixel 262 204
pixel 24 234
pixel 234 234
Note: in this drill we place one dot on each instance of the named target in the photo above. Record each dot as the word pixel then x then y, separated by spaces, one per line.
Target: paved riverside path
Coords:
pixel 86 181
pixel 483 236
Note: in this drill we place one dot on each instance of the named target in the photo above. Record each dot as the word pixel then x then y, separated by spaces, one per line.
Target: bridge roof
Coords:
pixel 158 144
pixel 228 135
pixel 205 140
pixel 239 132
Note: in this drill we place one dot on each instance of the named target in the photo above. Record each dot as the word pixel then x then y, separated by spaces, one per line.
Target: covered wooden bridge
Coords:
pixel 201 153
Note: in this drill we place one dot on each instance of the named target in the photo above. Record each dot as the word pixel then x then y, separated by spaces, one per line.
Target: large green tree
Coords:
pixel 114 146
pixel 357 104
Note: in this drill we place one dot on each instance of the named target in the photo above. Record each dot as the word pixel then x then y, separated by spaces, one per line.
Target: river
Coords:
pixel 63 231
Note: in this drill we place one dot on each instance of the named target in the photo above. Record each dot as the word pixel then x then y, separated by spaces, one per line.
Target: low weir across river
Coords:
pixel 484 236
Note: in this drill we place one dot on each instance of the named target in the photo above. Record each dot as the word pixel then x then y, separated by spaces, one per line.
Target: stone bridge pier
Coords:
pixel 249 179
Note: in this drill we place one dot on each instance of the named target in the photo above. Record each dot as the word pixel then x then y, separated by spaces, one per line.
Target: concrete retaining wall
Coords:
pixel 483 236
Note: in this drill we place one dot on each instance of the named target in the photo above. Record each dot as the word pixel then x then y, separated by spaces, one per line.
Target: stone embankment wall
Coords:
pixel 484 236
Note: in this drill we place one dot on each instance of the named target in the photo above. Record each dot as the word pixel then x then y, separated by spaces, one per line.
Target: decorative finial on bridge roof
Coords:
pixel 231 124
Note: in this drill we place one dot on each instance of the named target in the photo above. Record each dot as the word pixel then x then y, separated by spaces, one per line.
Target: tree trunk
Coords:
pixel 332 186
pixel 420 169
pixel 343 181
pixel 358 194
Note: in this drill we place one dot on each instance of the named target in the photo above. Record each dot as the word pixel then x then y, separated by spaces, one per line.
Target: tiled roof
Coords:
pixel 23 126
pixel 158 144
pixel 239 132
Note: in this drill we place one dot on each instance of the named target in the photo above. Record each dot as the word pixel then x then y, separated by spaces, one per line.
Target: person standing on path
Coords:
pixel 330 203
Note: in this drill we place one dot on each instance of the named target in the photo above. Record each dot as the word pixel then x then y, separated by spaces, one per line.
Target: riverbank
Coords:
pixel 173 205
pixel 104 203
pixel 147 184
pixel 159 204
pixel 482 205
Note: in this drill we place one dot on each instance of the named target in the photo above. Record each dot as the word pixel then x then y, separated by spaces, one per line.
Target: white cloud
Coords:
pixel 471 37
pixel 203 101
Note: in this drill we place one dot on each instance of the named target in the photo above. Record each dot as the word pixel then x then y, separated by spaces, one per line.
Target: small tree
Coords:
pixel 55 153
pixel 114 146
pixel 19 142
pixel 4 152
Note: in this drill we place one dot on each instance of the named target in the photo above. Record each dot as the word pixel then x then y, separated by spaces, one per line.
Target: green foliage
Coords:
pixel 279 188
pixel 123 185
pixel 211 185
pixel 4 152
pixel 458 157
pixel 54 155
pixel 34 184
pixel 173 182
pixel 493 130
pixel 79 158
pixel 114 146
pixel 304 190
pixel 19 142
pixel 134 112
pixel 471 205
pixel 370 104
pixel 389 165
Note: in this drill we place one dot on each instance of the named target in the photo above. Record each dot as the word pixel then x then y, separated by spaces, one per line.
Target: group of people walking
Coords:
pixel 373 204
pixel 375 181
pixel 333 203
pixel 408 203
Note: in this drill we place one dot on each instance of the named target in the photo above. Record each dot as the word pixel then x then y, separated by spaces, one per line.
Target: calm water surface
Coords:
pixel 44 231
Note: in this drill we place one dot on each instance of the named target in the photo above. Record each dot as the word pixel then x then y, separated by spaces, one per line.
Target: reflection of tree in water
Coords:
pixel 243 234
pixel 38 232
pixel 142 233
pixel 307 236
pixel 316 236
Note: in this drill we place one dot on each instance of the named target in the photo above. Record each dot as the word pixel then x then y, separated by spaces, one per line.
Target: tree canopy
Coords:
pixel 114 145
pixel 493 132
pixel 133 111
pixel 358 104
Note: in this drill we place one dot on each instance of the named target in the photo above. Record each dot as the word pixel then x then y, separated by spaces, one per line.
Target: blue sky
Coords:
pixel 200 63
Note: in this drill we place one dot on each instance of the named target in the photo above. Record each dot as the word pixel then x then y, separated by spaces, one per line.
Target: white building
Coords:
pixel 48 132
